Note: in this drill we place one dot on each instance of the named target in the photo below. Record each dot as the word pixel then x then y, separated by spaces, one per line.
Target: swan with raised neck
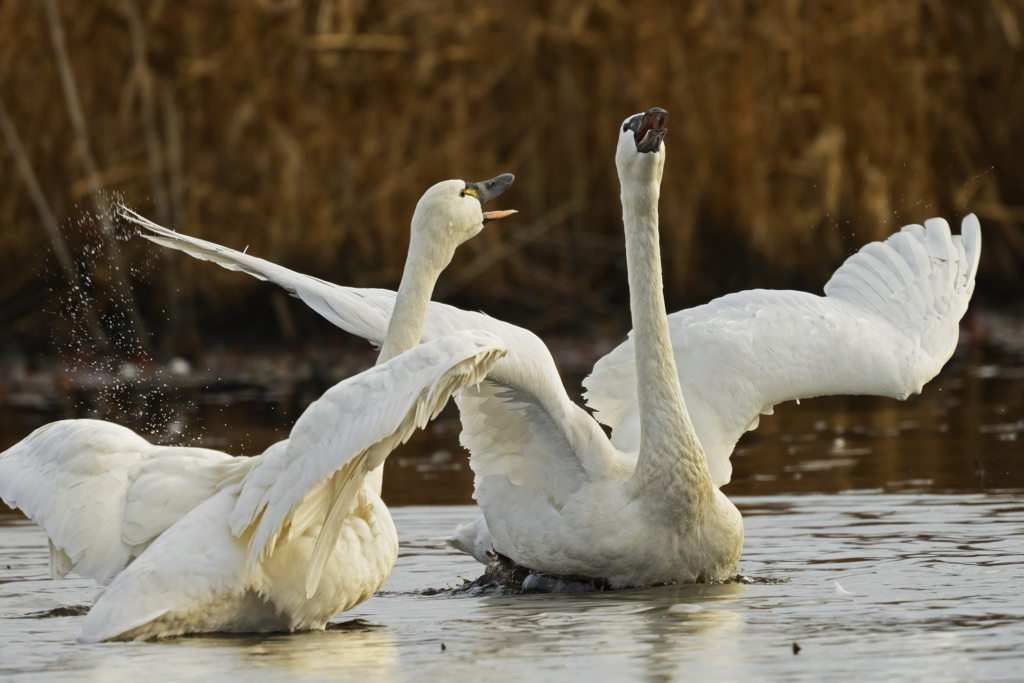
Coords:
pixel 671 476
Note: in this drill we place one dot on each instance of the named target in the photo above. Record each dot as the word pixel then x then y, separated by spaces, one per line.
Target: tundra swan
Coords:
pixel 281 541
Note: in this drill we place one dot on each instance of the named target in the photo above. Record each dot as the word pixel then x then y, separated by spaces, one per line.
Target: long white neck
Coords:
pixel 410 312
pixel 422 269
pixel 671 465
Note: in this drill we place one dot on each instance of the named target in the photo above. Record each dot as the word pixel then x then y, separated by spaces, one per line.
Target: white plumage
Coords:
pixel 281 541
pixel 558 496
pixel 102 492
pixel 296 534
pixel 887 324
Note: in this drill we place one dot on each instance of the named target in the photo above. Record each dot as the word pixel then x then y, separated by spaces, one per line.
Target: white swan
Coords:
pixel 282 541
pixel 887 324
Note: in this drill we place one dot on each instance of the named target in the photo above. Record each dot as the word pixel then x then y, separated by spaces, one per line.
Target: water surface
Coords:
pixel 911 587
pixel 891 533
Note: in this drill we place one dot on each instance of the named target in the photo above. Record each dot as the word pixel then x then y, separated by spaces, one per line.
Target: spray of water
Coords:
pixel 125 385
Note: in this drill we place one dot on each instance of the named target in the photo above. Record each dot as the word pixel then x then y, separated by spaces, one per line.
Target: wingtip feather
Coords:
pixel 970 235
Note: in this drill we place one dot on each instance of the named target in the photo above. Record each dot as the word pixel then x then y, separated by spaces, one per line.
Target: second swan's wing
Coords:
pixel 519 424
pixel 887 324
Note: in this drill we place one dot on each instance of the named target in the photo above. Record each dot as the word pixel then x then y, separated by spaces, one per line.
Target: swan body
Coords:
pixel 643 518
pixel 559 496
pixel 193 540
pixel 299 533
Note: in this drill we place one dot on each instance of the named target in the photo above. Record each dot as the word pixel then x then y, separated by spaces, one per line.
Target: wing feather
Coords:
pixel 102 493
pixel 887 324
pixel 347 433
pixel 528 368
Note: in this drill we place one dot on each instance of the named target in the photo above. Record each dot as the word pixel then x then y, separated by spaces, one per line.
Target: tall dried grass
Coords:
pixel 306 130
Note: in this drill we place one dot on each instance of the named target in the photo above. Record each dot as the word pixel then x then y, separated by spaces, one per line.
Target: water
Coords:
pixel 914 587
pixel 891 532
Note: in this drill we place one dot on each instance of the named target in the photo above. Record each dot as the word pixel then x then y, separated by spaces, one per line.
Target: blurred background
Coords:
pixel 305 131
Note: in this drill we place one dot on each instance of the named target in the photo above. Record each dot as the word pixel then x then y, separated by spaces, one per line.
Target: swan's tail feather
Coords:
pixel 60 563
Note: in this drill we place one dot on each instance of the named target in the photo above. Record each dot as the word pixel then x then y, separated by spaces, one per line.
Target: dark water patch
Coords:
pixel 504 577
pixel 352 625
pixel 357 625
pixel 429 591
pixel 62 611
pixel 754 580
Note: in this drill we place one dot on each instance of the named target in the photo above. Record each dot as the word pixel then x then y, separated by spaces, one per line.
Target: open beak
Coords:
pixel 487 190
pixel 652 129
pixel 498 215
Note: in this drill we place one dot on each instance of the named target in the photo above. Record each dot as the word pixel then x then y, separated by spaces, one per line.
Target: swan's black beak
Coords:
pixel 487 190
pixel 648 130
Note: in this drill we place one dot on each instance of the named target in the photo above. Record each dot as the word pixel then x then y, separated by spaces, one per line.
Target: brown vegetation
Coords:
pixel 306 130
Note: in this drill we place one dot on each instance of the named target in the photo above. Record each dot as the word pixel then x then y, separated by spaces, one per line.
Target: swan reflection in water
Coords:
pixel 622 633
pixel 367 653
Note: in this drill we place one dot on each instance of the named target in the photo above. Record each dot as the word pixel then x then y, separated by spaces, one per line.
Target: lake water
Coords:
pixel 885 540
pixel 876 586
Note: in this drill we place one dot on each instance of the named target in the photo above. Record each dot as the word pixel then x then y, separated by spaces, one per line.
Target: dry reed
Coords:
pixel 306 130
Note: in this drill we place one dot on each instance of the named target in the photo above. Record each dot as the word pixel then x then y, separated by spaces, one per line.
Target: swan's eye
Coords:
pixel 625 127
pixel 470 192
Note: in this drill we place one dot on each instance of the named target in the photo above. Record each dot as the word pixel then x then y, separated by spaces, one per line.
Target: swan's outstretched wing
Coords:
pixel 520 421
pixel 362 312
pixel 347 433
pixel 71 478
pixel 887 324
pixel 101 492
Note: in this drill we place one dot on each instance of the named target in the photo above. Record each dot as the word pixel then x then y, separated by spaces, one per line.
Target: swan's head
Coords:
pixel 641 150
pixel 451 212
